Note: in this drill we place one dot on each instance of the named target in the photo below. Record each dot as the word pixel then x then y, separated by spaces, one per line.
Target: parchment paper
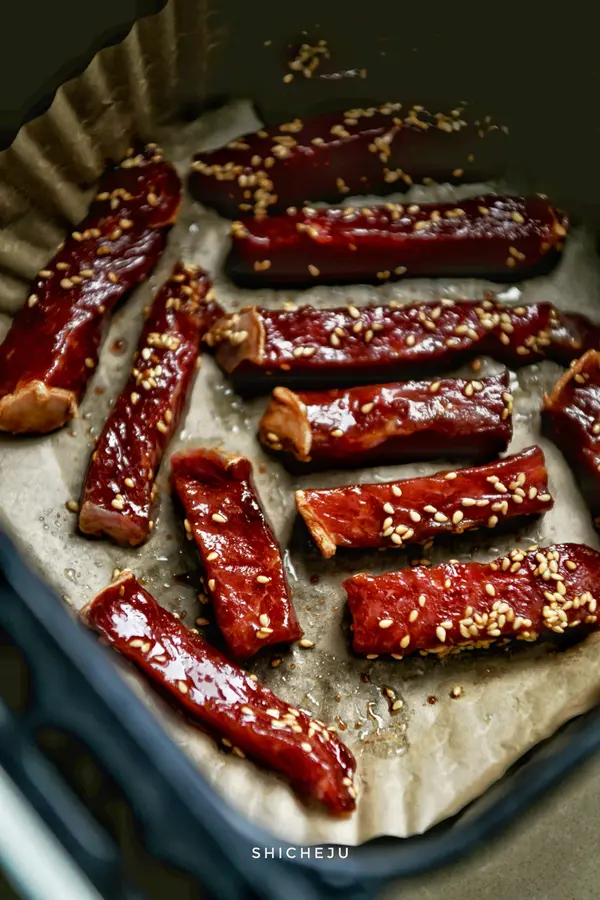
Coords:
pixel 421 763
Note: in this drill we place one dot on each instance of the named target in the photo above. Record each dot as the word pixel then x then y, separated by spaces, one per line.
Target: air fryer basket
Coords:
pixel 521 72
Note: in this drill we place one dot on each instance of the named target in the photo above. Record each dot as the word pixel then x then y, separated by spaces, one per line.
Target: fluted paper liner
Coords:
pixel 417 765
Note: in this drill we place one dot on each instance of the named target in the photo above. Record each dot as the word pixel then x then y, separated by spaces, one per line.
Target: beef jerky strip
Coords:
pixel 120 486
pixel 51 348
pixel 506 238
pixel 230 703
pixel 463 606
pixel 571 418
pixel 416 510
pixel 262 348
pixel 360 151
pixel 389 423
pixel 242 561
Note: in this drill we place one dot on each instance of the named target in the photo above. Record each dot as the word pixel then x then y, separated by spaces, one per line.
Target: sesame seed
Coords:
pixel 397 704
pixel 263 579
pixel 440 633
pixel 182 687
pixel 212 556
pixel 162 427
pixel 414 515
pixel 129 482
pixel 422 600
pixel 457 517
pixel 264 619
pixel 32 300
pixel 306 644
pixel 492 521
pixel 385 623
pixel 72 505
pixel 405 641
pixel 219 517
pixel 396 538
pixel 490 590
pixel 313 270
pixel 440 517
pixel 396 490
pixel 388 508
pixel 117 504
pixel 212 584
pixel 366 408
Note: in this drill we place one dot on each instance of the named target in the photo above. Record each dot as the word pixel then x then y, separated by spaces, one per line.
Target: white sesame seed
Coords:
pixel 458 517
pixel 397 704
pixel 396 491
pixel 212 555
pixel 183 688
pixel 440 633
pixel 490 590
pixel 385 623
pixel 422 600
pixel 219 517
pixel 405 641
pixel 306 643
pixel 414 613
pixel 264 620
pixel 263 579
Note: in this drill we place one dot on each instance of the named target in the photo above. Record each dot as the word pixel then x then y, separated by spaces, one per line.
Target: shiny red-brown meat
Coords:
pixel 243 569
pixel 389 423
pixel 506 238
pixel 416 510
pixel 571 417
pixel 308 347
pixel 119 487
pixel 231 704
pixel 461 606
pixel 51 348
pixel 360 151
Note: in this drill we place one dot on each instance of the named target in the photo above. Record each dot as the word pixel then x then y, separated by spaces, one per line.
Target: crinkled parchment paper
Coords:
pixel 435 754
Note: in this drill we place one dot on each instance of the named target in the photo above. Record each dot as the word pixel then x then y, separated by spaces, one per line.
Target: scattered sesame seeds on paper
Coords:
pixel 418 760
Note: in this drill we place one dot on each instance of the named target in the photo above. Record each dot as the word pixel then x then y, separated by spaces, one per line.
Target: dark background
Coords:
pixel 537 71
